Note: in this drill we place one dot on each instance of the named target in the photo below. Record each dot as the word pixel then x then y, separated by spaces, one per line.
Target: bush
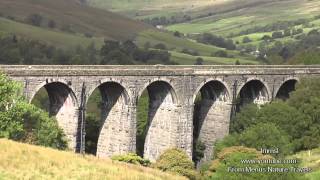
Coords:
pixel 199 61
pixel 34 19
pixel 198 151
pixel 131 158
pixel 176 161
pixel 246 39
pixel 190 52
pixel 160 46
pixel 220 53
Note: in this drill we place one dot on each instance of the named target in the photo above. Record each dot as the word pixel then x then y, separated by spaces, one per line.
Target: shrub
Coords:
pixel 198 150
pixel 34 19
pixel 160 46
pixel 176 161
pixel 199 61
pixel 190 52
pixel 220 53
pixel 131 158
pixel 246 39
pixel 51 24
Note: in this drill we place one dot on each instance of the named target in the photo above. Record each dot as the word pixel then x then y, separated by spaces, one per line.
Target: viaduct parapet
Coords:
pixel 186 103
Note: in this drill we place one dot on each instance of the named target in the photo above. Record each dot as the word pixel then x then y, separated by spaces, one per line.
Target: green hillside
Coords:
pixel 23 161
pixel 74 16
pixel 151 7
pixel 246 17
pixel 57 38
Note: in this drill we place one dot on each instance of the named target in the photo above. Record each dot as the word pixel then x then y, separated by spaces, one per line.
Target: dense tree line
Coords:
pixel 16 50
pixel 219 41
pixel 302 51
pixel 277 26
pixel 163 20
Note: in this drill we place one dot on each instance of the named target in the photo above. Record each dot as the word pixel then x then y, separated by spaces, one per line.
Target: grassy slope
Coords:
pixel 310 159
pixel 60 39
pixel 82 19
pixel 22 161
pixel 152 7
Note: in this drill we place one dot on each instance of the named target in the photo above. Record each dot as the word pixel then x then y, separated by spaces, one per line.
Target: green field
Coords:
pixel 177 44
pixel 243 18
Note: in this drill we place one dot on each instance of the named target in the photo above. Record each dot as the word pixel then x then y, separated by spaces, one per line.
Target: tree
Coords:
pixel 266 38
pixel 52 24
pixel 220 53
pixel 306 99
pixel 24 122
pixel 199 61
pixel 177 34
pixel 277 34
pixel 160 46
pixel 34 19
pixel 267 136
pixel 246 39
pixel 287 32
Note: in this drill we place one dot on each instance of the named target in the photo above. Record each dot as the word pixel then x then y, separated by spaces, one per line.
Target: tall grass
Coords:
pixel 22 161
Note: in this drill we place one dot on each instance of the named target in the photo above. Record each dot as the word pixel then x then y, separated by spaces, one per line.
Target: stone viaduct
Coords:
pixel 173 92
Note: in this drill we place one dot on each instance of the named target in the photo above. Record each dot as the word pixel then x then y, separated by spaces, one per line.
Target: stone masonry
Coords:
pixel 173 93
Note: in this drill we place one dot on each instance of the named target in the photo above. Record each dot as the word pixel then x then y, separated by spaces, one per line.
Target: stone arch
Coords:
pixel 48 81
pixel 111 80
pixel 254 90
pixel 208 81
pixel 167 81
pixel 114 134
pixel 163 117
pixel 63 105
pixel 287 86
pixel 212 110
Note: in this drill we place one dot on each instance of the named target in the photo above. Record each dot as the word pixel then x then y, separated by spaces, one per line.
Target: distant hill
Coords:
pixel 237 16
pixel 75 17
pixel 70 23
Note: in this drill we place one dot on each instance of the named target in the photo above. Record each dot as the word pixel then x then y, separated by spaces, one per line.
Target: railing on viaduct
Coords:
pixel 173 118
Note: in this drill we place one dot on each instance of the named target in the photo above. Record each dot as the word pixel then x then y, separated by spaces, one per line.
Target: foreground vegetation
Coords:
pixel 291 126
pixel 22 161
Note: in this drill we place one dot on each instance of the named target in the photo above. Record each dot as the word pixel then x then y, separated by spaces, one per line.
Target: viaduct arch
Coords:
pixel 187 103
